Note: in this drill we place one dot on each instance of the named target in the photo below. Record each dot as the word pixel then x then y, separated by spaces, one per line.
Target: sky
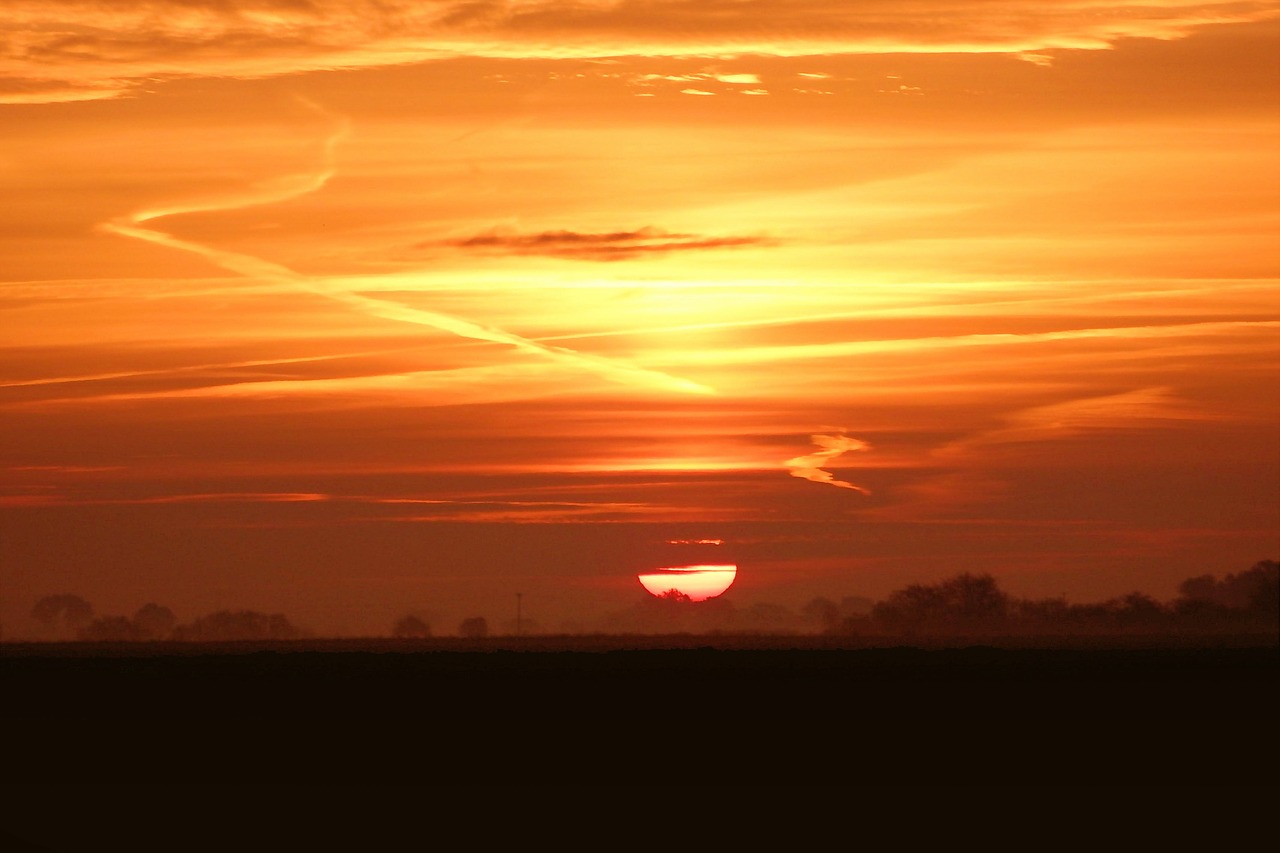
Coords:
pixel 352 308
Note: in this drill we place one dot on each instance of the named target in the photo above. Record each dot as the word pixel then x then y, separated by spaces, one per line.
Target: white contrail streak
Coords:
pixel 809 467
pixel 293 186
pixel 192 368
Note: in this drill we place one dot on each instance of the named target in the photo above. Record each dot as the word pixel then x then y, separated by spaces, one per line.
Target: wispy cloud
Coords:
pixel 594 246
pixel 220 497
pixel 174 370
pixel 1024 438
pixel 292 186
pixel 839 349
pixel 59 50
pixel 1140 408
pixel 810 467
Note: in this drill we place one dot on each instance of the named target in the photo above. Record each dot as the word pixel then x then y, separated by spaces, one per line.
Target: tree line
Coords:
pixel 964 604
pixel 66 616
pixel 974 604
pixel 69 617
pixel 967 603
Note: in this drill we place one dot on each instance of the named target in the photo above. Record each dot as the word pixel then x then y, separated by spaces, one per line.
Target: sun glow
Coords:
pixel 697 582
pixel 290 278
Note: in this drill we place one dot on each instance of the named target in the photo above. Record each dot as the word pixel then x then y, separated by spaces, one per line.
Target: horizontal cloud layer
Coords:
pixel 60 50
pixel 594 246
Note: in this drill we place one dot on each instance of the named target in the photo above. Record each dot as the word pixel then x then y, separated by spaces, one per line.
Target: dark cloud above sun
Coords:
pixel 594 246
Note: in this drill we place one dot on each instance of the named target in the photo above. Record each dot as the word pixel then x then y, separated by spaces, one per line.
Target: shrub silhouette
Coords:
pixel 963 603
pixel 474 627
pixel 110 629
pixel 153 622
pixel 237 625
pixel 411 627
pixel 62 615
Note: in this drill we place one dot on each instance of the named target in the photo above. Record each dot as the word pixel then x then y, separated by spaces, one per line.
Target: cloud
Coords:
pixel 810 467
pixel 19 501
pixel 292 186
pixel 1140 408
pixel 1224 330
pixel 63 50
pixel 594 246
pixel 1024 439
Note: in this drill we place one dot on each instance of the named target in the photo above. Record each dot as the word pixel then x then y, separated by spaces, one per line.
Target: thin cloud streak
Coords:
pixel 466 385
pixel 220 497
pixel 1139 409
pixel 1173 302
pixel 810 467
pixel 771 354
pixel 119 48
pixel 180 369
pixel 253 267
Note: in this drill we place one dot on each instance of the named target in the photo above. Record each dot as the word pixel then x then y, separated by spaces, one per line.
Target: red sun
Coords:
pixel 697 582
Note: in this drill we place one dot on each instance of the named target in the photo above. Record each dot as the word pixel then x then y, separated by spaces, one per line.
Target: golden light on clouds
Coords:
pixel 451 293
pixel 69 50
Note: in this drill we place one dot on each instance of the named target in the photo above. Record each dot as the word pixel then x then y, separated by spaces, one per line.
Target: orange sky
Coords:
pixel 344 308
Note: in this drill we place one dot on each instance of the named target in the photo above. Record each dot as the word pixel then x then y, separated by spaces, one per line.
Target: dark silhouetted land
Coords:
pixel 613 708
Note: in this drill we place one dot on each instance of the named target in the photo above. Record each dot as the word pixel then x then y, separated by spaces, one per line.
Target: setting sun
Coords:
pixel 514 291
pixel 359 357
pixel 697 582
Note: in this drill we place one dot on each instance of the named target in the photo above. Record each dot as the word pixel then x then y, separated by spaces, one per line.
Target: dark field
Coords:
pixel 638 677
pixel 620 710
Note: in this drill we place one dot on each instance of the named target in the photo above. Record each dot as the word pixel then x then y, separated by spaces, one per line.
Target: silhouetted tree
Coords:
pixel 821 614
pixel 855 605
pixel 963 603
pixel 1256 590
pixel 474 627
pixel 1043 612
pixel 1135 611
pixel 410 627
pixel 765 617
pixel 674 613
pixel 153 622
pixel 237 625
pixel 110 629
pixel 63 615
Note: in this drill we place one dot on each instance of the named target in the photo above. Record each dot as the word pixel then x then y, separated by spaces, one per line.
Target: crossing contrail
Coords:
pixel 288 187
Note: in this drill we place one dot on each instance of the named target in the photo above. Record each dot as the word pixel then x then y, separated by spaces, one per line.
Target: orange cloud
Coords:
pixel 600 246
pixel 292 186
pixel 80 49
pixel 1140 409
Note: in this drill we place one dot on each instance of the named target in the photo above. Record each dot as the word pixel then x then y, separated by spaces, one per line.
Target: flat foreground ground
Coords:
pixel 636 678
pixel 571 710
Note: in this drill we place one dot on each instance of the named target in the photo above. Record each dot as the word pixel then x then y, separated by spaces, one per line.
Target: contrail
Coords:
pixel 196 368
pixel 293 186
pixel 810 467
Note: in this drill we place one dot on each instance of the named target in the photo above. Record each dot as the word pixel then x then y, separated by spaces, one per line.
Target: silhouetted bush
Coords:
pixel 1256 590
pixel 821 614
pixel 411 627
pixel 474 627
pixel 62 615
pixel 237 625
pixel 110 629
pixel 153 622
pixel 964 603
